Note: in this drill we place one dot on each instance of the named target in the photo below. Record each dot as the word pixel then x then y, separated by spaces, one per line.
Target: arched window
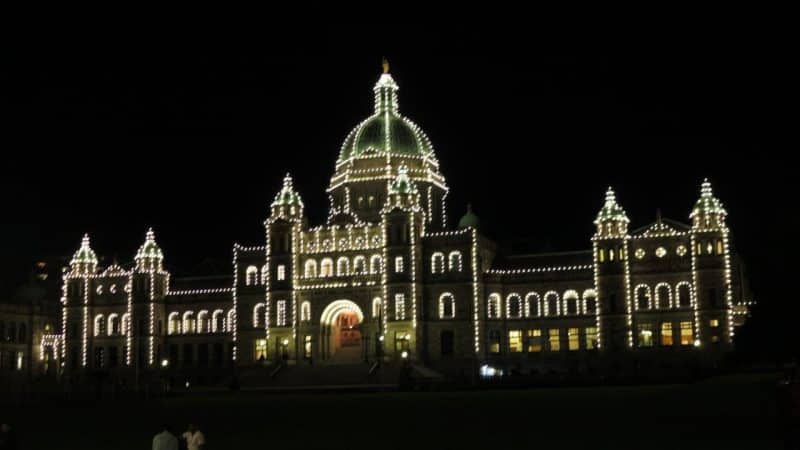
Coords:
pixel 437 263
pixel 99 325
pixel 189 325
pixel 305 312
pixel 513 306
pixel 310 269
pixel 684 294
pixel 642 297
pixel 113 324
pixel 571 303
pixel 447 306
pixel 663 296
pixel 252 276
pixel 589 301
pixel 551 304
pixel 126 323
pixel 376 307
pixel 454 261
pixel 493 307
pixel 174 323
pixel 326 268
pixel 203 323
pixel 342 266
pixel 259 311
pixel 532 306
pixel 218 321
pixel 264 272
pixel 231 320
pixel 359 265
pixel 375 264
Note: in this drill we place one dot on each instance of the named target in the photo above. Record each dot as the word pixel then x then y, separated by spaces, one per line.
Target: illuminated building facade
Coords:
pixel 385 278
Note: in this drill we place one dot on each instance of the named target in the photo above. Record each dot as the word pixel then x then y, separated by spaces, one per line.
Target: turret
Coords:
pixel 84 261
pixel 287 204
pixel 708 212
pixel 149 257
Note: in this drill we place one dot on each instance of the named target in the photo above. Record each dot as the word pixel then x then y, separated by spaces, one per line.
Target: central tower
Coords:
pixel 371 157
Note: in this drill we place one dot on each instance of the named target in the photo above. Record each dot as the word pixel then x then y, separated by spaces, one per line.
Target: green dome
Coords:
pixel 469 219
pixel 85 257
pixel 386 131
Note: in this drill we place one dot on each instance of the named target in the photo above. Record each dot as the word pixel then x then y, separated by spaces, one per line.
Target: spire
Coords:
pixel 84 260
pixel 611 220
pixel 385 92
pixel 149 256
pixel 287 202
pixel 708 211
pixel 385 65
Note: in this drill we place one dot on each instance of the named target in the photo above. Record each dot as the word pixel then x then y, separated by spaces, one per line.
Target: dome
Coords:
pixel 611 210
pixel 386 131
pixel 707 203
pixel 85 259
pixel 149 256
pixel 469 219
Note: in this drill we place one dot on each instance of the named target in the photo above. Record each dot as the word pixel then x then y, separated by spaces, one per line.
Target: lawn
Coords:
pixel 728 412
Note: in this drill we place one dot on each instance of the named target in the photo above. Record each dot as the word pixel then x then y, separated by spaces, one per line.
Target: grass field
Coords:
pixel 728 412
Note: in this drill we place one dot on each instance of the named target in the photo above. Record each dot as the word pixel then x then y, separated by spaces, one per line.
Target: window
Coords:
pixel 684 295
pixel 99 326
pixel 661 252
pixel 590 338
pixel 376 307
pixel 342 267
pixel 645 333
pixel 554 339
pixel 264 273
pixel 260 350
pixel 666 334
pixel 326 268
pixel 573 339
pixel 310 269
pixel 305 312
pixel 174 323
pixel 663 296
pixel 589 301
pixel 601 255
pixel 359 265
pixel 720 248
pixel 375 264
pixel 551 306
pixel 681 250
pixel 454 261
pixel 401 341
pixel 639 253
pixel 713 323
pixel 218 321
pixel 514 306
pixel 281 272
pixel 280 313
pixel 113 324
pixel 203 325
pixel 494 341
pixel 571 302
pixel 437 263
pixel 447 308
pixel 398 264
pixel 307 347
pixel 231 320
pixel 515 341
pixel 532 305
pixel 188 322
pixel 259 310
pixel 642 297
pixel 493 306
pixel 251 278
pixel 534 340
pixel 611 254
pixel 687 337
pixel 399 307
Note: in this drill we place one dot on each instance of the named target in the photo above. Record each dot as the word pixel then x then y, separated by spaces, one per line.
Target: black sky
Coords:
pixel 193 137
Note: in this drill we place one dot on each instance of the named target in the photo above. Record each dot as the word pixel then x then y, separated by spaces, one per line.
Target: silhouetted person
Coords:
pixel 165 440
pixel 194 438
pixel 8 440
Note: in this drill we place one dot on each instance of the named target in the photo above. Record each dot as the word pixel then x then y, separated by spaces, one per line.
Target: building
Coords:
pixel 385 278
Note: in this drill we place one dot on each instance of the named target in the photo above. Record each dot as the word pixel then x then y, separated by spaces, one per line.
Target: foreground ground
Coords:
pixel 728 412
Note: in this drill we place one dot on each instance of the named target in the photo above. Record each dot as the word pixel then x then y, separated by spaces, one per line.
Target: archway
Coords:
pixel 341 332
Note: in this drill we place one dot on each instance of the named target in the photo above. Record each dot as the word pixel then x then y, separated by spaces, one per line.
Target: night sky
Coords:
pixel 193 138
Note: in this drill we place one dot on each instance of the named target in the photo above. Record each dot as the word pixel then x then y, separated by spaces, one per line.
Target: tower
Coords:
pixel 371 154
pixel 76 300
pixel 711 270
pixel 612 276
pixel 149 285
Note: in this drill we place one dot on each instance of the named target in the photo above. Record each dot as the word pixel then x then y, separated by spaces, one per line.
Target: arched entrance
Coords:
pixel 341 332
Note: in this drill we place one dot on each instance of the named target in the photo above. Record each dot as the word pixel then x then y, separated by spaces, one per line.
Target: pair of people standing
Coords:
pixel 192 439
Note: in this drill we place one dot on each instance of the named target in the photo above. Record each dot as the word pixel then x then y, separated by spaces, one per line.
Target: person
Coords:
pixel 7 439
pixel 165 440
pixel 194 438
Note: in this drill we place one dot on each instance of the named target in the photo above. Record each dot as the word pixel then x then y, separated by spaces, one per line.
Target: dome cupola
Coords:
pixel 287 203
pixel 469 220
pixel 84 261
pixel 708 212
pixel 149 256
pixel 611 220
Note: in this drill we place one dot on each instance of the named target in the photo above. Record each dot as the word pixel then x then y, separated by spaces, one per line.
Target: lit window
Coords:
pixel 342 267
pixel 399 307
pixel 513 306
pixel 590 338
pixel 514 341
pixel 493 306
pixel 494 341
pixel 661 252
pixel 534 341
pixel 454 261
pixel 571 302
pixel 280 313
pixel 645 333
pixel 307 347
pixel 611 254
pixel 720 248
pixel 258 315
pixel 446 306
pixel 310 269
pixel 375 264
pixel 713 323
pixel 326 268
pixel 281 272
pixel 666 334
pixel 709 248
pixel 687 337
pixel 398 264
pixel 437 263
pixel 376 307
pixel 305 312
pixel 601 255
pixel 573 339
pixel 99 289
pixel 681 250
pixel 261 349
pixel 551 304
pixel 359 265
pixel 554 340
pixel 252 276
pixel 639 253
